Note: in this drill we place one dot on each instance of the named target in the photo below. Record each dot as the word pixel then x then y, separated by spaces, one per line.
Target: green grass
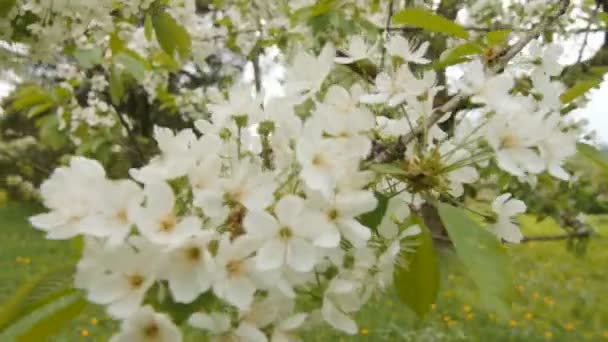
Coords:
pixel 559 295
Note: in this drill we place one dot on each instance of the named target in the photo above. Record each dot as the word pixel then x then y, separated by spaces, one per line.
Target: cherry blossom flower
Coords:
pixel 505 208
pixel 147 325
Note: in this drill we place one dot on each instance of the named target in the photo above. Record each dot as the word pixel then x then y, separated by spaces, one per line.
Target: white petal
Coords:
pixel 292 322
pixel 301 255
pixel 337 319
pixel 271 256
pixel 159 198
pixel 239 292
pixel 329 237
pixel 288 208
pixel 355 203
pixel 344 60
pixel 184 285
pixel 215 322
pixel 48 220
pixel 260 224
pixel 106 290
pixel 513 207
pixel 355 232
pixel 374 98
pixel 250 333
pixel 125 306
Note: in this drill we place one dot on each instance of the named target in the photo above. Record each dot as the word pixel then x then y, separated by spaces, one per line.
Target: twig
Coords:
pixel 389 17
pixel 582 233
pixel 130 135
pixel 504 27
pixel 586 38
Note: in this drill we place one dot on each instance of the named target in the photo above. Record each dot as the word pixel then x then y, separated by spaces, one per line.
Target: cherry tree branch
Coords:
pixel 586 38
pixel 452 105
pixel 581 233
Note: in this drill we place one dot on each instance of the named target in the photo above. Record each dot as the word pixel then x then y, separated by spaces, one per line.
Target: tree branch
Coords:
pixel 501 62
pixel 581 233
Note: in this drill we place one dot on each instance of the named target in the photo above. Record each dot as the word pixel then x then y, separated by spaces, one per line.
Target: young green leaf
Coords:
pixel 387 169
pixel 578 89
pixel 132 66
pixel 373 218
pixel 116 44
pixel 88 58
pixel 417 283
pixel 598 157
pixel 52 317
pixel 483 256
pixel 424 19
pixel 457 55
pixel 148 28
pixel 170 35
pixel 497 37
pixel 6 6
pixel 35 293
pixel 117 88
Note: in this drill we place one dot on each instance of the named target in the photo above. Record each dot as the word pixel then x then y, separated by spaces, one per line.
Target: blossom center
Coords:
pixel 151 330
pixel 122 217
pixel 285 233
pixel 136 281
pixel 332 214
pixel 234 267
pixel 168 223
pixel 319 161
pixel 193 254
pixel 509 141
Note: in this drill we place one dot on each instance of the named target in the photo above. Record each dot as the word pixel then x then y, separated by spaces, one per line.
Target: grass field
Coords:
pixel 559 296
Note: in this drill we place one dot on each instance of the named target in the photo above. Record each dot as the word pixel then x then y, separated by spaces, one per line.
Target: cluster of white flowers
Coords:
pixel 260 207
pixel 255 218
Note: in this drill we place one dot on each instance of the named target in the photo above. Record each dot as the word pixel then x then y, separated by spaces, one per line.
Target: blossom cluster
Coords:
pixel 255 216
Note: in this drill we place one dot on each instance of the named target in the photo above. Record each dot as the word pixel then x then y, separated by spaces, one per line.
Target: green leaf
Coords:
pixel 593 154
pixel 35 293
pixel 417 283
pixel 603 16
pixel 116 44
pixel 38 109
pixel 29 96
pixel 578 89
pixel 457 55
pixel 170 35
pixel 49 319
pixel 50 134
pixel 117 88
pixel 148 28
pixel 419 17
pixel 6 6
pixel 497 37
pixel 388 169
pixel 483 256
pixel 88 58
pixel 132 65
pixel 373 218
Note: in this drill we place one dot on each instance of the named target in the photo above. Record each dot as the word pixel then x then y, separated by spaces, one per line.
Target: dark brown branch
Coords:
pixel 389 18
pixel 131 137
pixel 581 233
